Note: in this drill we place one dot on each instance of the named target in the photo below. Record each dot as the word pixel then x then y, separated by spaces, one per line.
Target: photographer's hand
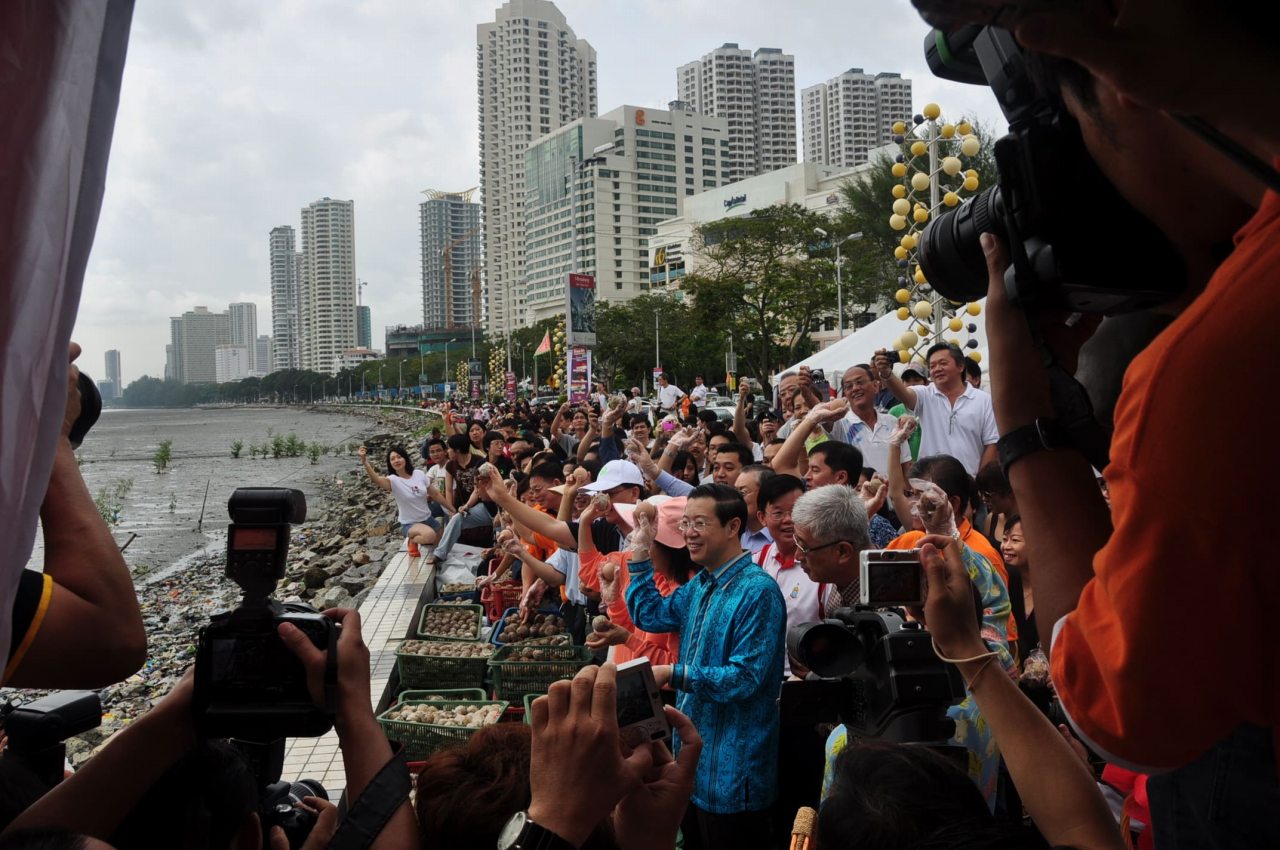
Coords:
pixel 650 815
pixel 576 770
pixel 365 749
pixel 321 832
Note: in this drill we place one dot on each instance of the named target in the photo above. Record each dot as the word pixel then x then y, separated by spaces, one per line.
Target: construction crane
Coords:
pixel 447 255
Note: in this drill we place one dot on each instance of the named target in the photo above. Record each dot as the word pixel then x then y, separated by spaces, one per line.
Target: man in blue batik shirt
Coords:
pixel 732 623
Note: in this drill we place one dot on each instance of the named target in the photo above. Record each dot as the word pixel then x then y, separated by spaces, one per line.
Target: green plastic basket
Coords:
pixel 422 739
pixel 528 708
pixel 438 694
pixel 513 680
pixel 477 610
pixel 441 671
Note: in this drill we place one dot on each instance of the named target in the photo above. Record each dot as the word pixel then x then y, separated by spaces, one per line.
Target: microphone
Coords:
pixel 802 829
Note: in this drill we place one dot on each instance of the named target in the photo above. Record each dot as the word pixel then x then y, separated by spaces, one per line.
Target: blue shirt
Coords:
pixel 732 626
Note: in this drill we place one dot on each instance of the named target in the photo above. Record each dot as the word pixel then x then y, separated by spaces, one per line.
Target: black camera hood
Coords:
pixel 267 506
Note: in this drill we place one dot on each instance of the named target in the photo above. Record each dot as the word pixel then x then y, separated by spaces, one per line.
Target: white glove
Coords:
pixel 905 428
pixel 934 509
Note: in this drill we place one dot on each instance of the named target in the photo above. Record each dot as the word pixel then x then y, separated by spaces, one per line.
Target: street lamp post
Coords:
pixel 446 365
pixel 400 386
pixel 381 366
pixel 839 280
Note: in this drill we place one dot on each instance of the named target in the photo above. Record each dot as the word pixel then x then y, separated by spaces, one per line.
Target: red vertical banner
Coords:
pixel 511 386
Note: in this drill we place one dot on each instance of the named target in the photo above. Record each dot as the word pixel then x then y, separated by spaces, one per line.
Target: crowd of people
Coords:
pixel 1074 710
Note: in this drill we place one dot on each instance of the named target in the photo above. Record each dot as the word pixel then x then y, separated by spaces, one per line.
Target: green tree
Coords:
pixel 766 280
pixel 624 353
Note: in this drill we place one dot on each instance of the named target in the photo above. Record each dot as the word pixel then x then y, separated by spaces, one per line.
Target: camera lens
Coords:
pixel 950 252
pixel 90 410
pixel 306 788
pixel 828 649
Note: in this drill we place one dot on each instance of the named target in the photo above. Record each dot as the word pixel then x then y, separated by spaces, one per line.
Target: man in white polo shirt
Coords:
pixel 669 394
pixel 957 420
pixel 867 428
pixel 698 395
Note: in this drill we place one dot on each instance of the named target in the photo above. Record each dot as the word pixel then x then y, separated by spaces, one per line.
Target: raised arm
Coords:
pixel 897 476
pixel 92 633
pixel 883 362
pixel 740 431
pixel 1056 787
pixel 380 481
pixel 792 454
pixel 492 489
pixel 539 568
pixel 650 610
pixel 557 422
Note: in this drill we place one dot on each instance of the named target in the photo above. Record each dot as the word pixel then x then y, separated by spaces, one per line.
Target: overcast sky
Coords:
pixel 237 113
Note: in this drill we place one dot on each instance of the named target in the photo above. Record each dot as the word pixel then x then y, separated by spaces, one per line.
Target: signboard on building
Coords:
pixel 582 310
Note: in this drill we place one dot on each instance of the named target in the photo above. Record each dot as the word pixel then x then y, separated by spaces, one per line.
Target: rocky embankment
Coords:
pixel 334 560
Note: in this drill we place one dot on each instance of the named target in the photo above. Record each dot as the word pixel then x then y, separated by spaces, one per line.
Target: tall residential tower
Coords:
pixel 449 237
pixel 850 114
pixel 756 93
pixel 284 300
pixel 113 373
pixel 244 330
pixel 328 291
pixel 533 76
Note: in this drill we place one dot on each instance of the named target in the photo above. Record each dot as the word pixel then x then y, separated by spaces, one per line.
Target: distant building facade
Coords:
pixel 282 245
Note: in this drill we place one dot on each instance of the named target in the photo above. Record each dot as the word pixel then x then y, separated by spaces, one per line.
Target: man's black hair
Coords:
pixel 745 455
pixel 776 487
pixel 887 795
pixel 991 479
pixel 729 502
pixel 491 437
pixel 841 457
pixel 460 443
pixel 592 467
pixel 948 473
pixel 432 441
pixel 954 350
pixel 549 471
pixel 633 418
pixel 708 416
pixel 972 368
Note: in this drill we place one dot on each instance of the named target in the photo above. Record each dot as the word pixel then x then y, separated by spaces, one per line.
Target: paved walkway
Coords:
pixel 385 619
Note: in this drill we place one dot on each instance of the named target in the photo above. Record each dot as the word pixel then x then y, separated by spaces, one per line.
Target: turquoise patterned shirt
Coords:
pixel 732 626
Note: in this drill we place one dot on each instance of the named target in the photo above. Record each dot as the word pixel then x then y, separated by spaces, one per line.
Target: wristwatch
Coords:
pixel 1042 434
pixel 521 833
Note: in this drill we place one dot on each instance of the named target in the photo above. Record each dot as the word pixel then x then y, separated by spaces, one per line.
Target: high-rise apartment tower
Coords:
pixel 284 300
pixel 449 237
pixel 533 76
pixel 850 114
pixel 756 92
pixel 328 291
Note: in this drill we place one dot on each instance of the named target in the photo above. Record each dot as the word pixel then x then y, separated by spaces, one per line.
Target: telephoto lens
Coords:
pixel 90 410
pixel 950 250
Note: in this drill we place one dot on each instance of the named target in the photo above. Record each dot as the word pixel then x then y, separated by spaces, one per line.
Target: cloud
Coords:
pixel 236 114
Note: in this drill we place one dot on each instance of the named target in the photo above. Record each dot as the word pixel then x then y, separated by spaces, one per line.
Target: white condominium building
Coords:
pixel 328 291
pixel 533 76
pixel 756 93
pixel 850 114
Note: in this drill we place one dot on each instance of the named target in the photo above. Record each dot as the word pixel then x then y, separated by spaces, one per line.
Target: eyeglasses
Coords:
pixel 803 550
pixel 699 525
pixel 853 385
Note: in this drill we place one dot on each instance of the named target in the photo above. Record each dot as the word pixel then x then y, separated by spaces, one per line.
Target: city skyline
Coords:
pixel 206 160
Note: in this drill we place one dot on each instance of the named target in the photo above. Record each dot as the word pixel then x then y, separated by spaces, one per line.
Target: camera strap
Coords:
pixel 381 798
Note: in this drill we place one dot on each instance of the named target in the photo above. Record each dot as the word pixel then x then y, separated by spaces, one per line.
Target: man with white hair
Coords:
pixel 831 531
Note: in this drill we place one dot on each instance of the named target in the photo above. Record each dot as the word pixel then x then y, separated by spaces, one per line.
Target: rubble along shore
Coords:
pixel 334 559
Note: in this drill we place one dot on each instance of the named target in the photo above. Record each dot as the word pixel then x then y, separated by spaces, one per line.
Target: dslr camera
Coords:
pixel 38 730
pixel 1053 207
pixel 248 685
pixel 889 684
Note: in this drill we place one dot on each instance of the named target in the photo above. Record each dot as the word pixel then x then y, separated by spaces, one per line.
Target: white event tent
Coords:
pixel 858 346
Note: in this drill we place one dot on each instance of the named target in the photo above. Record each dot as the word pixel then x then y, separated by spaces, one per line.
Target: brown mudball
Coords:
pixel 601 623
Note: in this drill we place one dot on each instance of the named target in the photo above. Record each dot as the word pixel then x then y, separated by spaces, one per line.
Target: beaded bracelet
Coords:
pixel 938 652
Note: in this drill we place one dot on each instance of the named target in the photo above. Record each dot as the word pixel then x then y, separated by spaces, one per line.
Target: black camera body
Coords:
pixel 38 730
pixel 248 685
pixel 1053 206
pixel 893 685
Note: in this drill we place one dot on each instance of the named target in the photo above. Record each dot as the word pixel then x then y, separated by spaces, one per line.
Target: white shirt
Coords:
pixel 669 395
pixel 411 496
pixel 798 590
pixel 962 430
pixel 698 393
pixel 436 476
pixel 872 442
pixel 636 405
pixel 566 563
